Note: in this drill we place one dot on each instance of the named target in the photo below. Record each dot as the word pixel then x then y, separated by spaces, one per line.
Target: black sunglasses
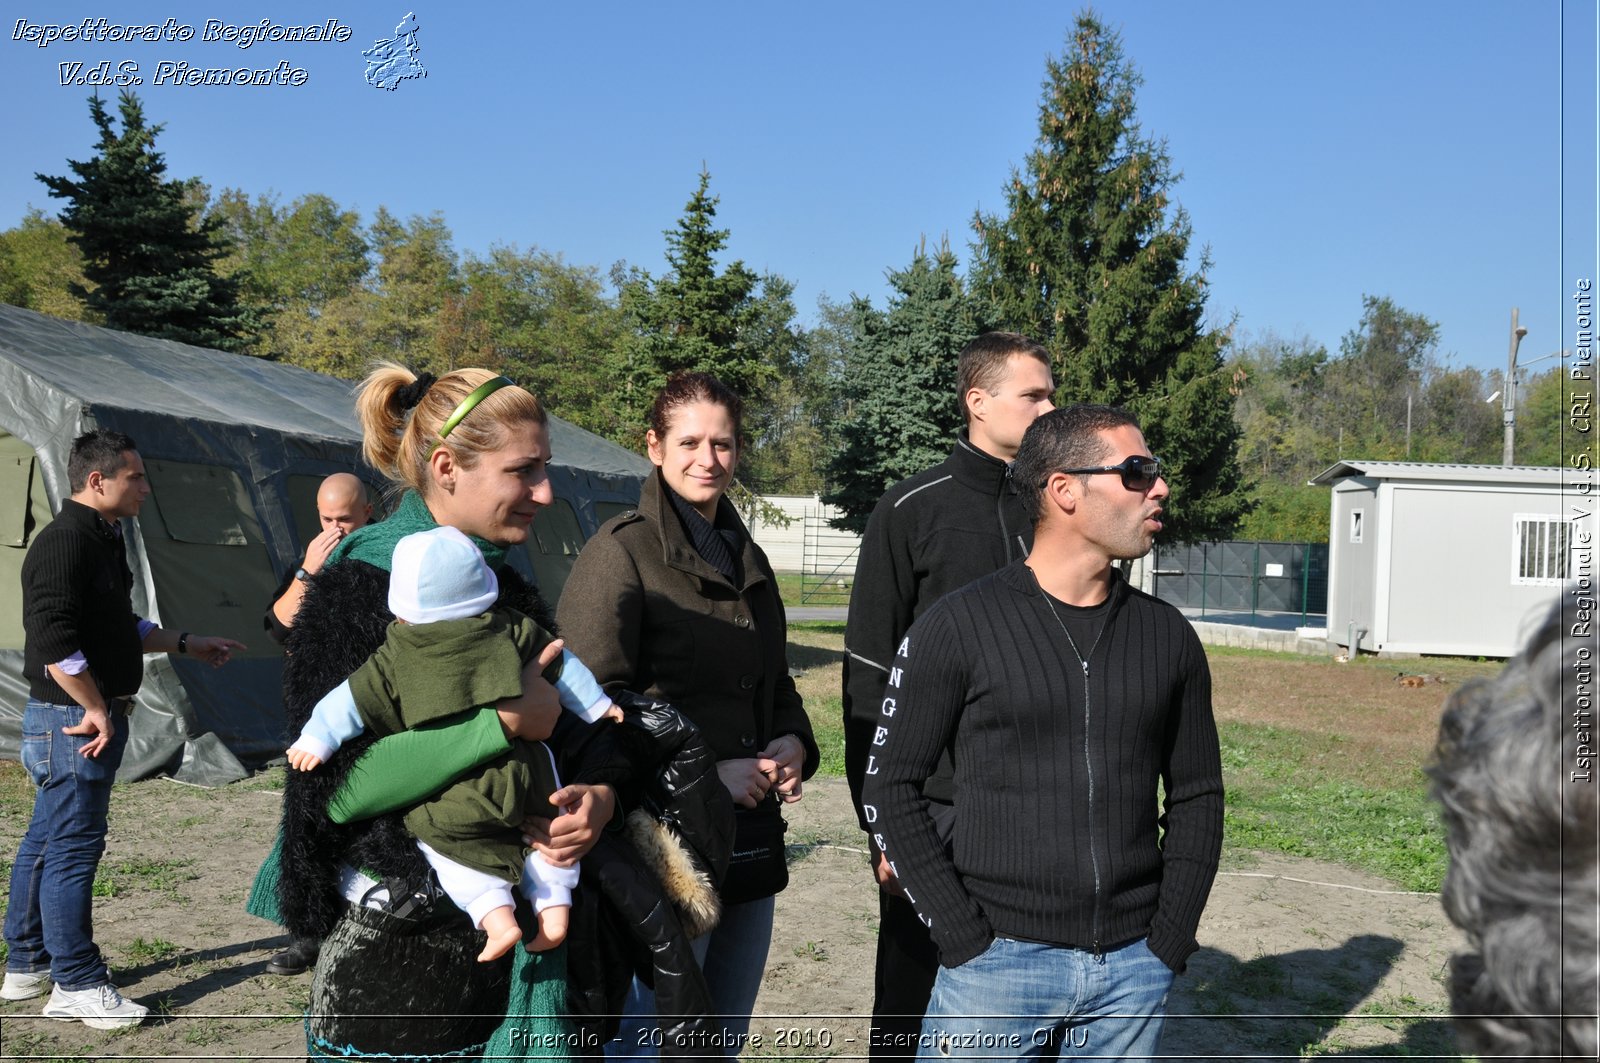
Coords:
pixel 1138 474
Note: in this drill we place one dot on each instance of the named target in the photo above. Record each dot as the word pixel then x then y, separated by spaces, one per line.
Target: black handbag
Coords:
pixel 759 866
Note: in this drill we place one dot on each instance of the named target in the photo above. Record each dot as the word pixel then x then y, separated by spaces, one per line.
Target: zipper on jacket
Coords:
pixel 1094 852
pixel 1000 512
pixel 1088 745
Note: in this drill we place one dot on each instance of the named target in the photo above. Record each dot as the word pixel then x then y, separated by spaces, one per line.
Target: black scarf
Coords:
pixel 719 545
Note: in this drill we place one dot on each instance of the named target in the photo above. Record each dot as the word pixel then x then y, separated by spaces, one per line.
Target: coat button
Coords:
pixel 741 620
pixel 747 682
pixel 747 740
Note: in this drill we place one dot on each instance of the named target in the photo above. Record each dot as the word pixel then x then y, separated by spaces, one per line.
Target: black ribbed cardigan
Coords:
pixel 77 595
pixel 1058 836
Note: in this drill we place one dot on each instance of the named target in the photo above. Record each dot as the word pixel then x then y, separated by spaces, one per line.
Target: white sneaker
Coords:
pixel 19 986
pixel 99 1006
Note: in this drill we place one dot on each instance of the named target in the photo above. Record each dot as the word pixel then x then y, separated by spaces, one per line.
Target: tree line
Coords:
pixel 1090 257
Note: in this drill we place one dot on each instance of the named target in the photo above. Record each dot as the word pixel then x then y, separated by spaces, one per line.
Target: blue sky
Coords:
pixel 1410 148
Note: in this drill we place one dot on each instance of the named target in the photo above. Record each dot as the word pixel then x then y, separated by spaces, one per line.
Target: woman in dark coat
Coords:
pixel 675 601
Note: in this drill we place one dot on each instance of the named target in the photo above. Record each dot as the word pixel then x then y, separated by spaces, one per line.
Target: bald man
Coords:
pixel 342 507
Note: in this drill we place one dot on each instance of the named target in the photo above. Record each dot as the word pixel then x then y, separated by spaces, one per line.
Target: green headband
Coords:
pixel 479 393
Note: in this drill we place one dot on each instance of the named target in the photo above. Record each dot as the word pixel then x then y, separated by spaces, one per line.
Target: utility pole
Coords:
pixel 1509 399
pixel 1408 423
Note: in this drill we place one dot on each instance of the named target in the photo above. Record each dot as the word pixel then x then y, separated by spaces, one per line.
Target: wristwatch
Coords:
pixel 301 574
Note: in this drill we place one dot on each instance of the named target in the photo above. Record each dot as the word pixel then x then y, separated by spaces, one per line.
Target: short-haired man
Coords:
pixel 82 659
pixel 928 535
pixel 1066 902
pixel 342 507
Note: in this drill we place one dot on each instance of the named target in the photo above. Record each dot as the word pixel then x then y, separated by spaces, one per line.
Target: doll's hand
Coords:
pixel 300 760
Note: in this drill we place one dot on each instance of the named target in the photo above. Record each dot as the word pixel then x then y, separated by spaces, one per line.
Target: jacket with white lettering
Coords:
pixel 929 534
pixel 1059 837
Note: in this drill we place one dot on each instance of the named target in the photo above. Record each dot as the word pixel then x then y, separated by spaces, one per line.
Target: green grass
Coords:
pixel 822 627
pixel 792 586
pixel 114 877
pixel 1291 792
pixel 140 951
pixel 827 725
pixel 816 647
pixel 270 780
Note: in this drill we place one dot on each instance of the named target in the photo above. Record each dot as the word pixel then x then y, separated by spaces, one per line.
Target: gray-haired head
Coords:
pixel 1522 839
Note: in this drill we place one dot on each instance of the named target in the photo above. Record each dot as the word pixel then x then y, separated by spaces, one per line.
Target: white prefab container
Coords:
pixel 1447 559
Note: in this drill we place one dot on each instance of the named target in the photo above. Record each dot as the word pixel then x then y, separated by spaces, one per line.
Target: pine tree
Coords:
pixel 899 383
pixel 696 319
pixel 1090 261
pixel 148 255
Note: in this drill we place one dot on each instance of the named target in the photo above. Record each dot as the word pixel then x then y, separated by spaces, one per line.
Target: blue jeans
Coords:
pixel 50 920
pixel 733 957
pixel 1021 999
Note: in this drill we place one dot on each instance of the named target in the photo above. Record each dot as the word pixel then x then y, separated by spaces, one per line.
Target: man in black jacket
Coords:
pixel 82 659
pixel 927 536
pixel 1066 903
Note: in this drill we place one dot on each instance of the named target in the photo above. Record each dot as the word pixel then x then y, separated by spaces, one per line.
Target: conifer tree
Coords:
pixel 148 255
pixel 696 319
pixel 899 383
pixel 1090 261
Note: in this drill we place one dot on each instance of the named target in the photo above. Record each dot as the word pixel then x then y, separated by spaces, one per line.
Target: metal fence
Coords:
pixel 1245 578
pixel 828 561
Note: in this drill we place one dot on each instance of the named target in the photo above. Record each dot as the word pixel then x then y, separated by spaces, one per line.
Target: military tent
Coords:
pixel 235 448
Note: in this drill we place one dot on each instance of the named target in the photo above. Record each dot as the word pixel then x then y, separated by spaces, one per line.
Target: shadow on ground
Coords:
pixel 1304 1002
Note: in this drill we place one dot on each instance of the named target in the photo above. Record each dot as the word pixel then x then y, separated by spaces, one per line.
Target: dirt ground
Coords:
pixel 1297 958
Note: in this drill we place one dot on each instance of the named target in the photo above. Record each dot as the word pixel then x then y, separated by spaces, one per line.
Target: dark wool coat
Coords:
pixel 644 611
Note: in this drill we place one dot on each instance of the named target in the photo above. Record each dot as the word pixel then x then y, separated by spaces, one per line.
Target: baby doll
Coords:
pixel 449 649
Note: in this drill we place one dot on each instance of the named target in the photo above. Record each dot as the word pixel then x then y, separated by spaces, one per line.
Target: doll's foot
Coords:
pixel 552 928
pixel 499 944
pixel 501 926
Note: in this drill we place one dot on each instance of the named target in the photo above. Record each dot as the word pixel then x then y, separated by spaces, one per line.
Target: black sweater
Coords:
pixel 939 530
pixel 77 594
pixel 1057 834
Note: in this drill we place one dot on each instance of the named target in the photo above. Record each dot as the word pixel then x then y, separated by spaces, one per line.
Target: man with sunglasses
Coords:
pixel 1066 903
pixel 928 535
